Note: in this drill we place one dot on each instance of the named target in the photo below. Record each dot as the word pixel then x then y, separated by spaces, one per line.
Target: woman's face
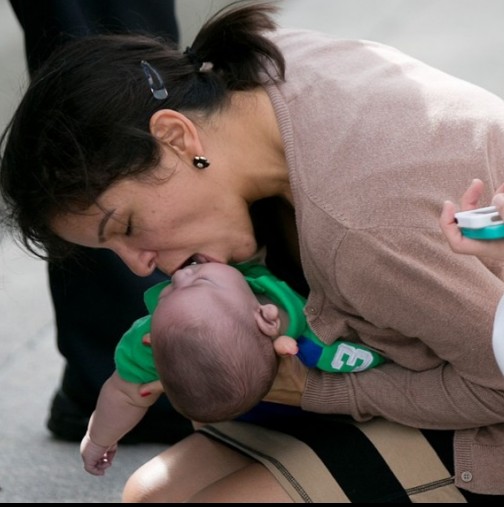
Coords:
pixel 181 215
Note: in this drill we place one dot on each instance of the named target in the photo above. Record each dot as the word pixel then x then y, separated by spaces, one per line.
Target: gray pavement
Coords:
pixel 462 37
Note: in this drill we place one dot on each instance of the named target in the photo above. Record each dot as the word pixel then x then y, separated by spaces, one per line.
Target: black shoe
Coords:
pixel 68 421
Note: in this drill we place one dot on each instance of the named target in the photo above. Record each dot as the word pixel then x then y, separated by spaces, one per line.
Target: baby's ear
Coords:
pixel 267 318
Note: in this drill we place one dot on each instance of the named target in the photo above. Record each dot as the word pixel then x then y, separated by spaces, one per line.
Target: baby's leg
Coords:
pixel 195 467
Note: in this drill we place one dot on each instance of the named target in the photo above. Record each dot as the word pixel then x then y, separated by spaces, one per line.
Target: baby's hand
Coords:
pixel 96 457
pixel 285 346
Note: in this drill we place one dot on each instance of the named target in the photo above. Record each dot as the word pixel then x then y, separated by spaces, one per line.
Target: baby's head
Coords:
pixel 212 343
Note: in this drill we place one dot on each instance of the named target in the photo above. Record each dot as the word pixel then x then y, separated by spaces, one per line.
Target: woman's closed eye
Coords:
pixel 129 228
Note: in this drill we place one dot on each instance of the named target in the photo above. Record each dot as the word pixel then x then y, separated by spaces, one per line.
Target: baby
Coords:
pixel 213 333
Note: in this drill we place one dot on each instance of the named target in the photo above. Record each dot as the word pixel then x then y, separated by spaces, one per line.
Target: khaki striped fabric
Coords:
pixel 305 477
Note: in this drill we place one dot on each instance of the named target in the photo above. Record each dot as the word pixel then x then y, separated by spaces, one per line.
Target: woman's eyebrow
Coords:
pixel 102 225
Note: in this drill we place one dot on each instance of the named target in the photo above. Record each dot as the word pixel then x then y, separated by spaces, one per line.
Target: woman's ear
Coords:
pixel 175 130
pixel 268 320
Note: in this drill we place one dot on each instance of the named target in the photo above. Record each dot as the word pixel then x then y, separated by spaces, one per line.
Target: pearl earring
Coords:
pixel 200 162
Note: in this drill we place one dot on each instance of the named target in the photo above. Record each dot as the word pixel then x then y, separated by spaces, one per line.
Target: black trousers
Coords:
pixel 95 296
pixel 49 23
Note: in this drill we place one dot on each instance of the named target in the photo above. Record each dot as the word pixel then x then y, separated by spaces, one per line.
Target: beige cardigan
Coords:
pixel 375 142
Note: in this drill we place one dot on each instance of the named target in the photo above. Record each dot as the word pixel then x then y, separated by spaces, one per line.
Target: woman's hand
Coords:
pixel 289 383
pixel 152 388
pixel 458 242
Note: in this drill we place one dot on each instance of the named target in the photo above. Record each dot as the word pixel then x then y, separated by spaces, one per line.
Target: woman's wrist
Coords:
pixel 326 393
pixel 289 383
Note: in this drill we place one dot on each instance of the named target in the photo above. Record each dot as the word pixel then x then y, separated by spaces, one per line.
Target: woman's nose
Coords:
pixel 140 262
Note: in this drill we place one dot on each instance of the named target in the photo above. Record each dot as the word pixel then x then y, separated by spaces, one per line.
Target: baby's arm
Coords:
pixel 296 355
pixel 119 408
pixel 339 357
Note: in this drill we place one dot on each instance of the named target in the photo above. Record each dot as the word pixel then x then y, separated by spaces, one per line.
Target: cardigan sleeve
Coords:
pixel 429 311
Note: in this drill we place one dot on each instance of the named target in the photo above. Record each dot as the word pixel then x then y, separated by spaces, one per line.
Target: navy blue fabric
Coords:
pixel 95 296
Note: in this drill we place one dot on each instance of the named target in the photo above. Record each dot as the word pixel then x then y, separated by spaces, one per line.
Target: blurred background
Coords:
pixel 462 37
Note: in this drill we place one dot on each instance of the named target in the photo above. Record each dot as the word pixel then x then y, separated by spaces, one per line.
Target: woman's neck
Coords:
pixel 247 142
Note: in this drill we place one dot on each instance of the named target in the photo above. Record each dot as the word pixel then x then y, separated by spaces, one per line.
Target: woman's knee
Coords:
pixel 182 471
pixel 251 484
pixel 148 484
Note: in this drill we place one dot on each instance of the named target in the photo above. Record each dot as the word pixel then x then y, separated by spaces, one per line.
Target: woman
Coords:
pixel 335 155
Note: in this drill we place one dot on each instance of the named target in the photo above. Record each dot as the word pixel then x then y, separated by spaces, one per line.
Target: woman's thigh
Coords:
pixel 196 466
pixel 253 483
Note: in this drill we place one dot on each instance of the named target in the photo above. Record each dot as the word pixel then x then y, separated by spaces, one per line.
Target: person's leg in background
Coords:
pixel 95 296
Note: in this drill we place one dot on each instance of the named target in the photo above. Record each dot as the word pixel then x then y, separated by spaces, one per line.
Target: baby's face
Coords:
pixel 208 289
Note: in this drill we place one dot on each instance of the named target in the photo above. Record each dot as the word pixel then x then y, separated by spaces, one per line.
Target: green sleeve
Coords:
pixel 134 360
pixel 347 357
pixel 338 357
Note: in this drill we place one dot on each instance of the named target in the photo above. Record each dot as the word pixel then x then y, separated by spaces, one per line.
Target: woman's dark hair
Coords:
pixel 83 123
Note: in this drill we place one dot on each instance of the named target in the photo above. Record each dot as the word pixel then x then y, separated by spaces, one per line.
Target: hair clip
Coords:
pixel 206 67
pixel 199 65
pixel 156 84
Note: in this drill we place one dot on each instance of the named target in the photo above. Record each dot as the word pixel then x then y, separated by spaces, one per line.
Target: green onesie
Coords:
pixel 134 361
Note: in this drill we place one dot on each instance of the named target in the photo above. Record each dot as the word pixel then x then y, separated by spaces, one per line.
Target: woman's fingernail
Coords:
pixel 145 394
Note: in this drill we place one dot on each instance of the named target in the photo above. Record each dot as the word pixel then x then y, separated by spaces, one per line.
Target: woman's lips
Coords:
pixel 199 259
pixel 202 259
pixel 196 259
